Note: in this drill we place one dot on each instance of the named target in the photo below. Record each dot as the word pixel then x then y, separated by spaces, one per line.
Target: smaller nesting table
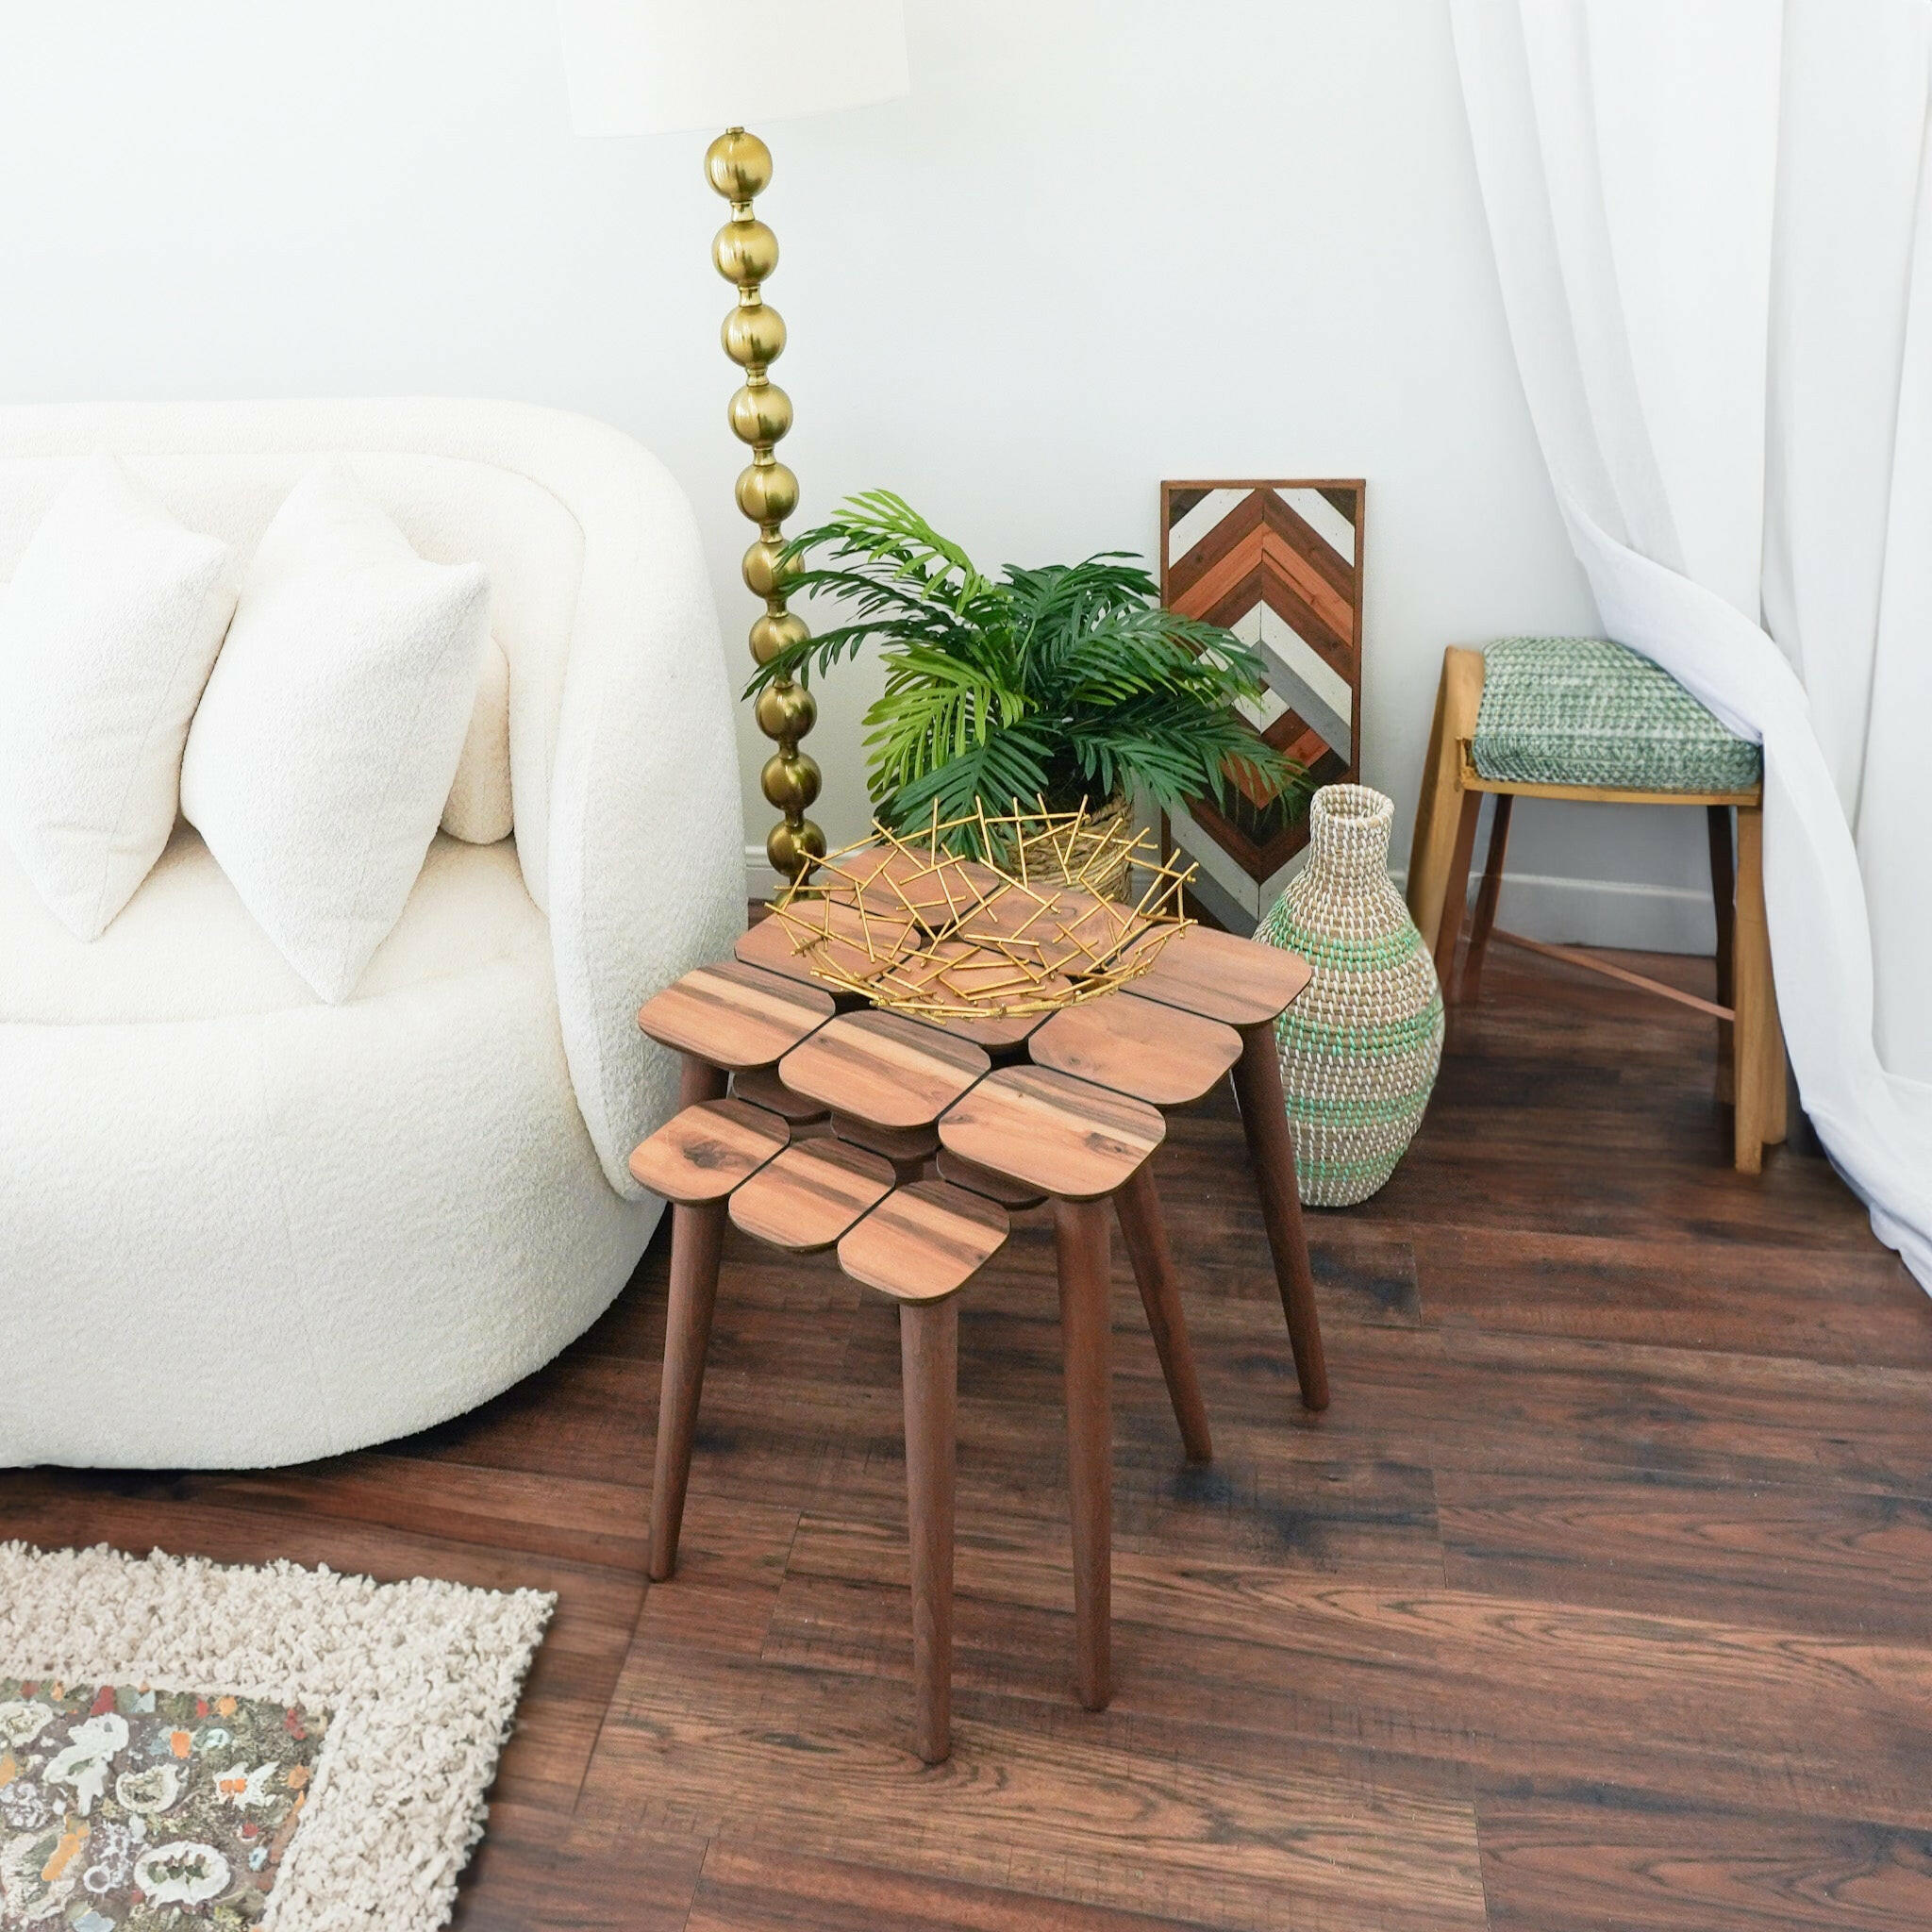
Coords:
pixel 835 1120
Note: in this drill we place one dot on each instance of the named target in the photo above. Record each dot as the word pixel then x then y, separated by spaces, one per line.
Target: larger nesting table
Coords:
pixel 904 1146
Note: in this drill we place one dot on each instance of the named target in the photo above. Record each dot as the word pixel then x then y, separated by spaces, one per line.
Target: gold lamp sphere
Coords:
pixel 772 632
pixel 767 492
pixel 764 575
pixel 753 333
pixel 786 712
pixel 791 780
pixel 760 412
pixel 746 251
pixel 738 165
pixel 789 848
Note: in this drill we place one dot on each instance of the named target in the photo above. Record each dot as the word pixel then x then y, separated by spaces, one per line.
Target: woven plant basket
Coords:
pixel 1360 1048
pixel 1042 864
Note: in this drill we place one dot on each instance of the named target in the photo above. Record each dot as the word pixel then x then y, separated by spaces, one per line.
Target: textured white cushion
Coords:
pixel 113 617
pixel 479 809
pixel 328 737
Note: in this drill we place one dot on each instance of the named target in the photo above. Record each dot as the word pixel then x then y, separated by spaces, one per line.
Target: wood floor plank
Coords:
pixel 1618 1865
pixel 824 1763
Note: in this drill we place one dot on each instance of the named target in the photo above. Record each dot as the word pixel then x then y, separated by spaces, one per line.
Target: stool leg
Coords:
pixel 697 1236
pixel 1724 887
pixel 1271 1150
pixel 1081 1243
pixel 1486 898
pixel 930 1369
pixel 1759 1043
pixel 1456 895
pixel 1146 1233
pixel 699 1080
pixel 1459 704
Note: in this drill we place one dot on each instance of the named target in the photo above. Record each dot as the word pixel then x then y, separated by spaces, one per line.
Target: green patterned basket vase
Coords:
pixel 1360 1048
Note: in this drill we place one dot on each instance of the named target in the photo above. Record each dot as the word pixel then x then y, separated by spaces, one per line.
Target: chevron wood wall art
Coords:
pixel 1279 563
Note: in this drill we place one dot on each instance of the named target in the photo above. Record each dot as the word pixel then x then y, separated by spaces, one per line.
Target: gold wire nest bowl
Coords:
pixel 913 923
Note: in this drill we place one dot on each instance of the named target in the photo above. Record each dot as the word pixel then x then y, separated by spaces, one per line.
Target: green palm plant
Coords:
pixel 1064 684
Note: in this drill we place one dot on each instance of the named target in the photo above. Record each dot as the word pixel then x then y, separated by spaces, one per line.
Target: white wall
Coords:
pixel 1099 244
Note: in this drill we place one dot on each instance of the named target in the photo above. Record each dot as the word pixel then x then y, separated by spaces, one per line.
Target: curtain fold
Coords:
pixel 1713 231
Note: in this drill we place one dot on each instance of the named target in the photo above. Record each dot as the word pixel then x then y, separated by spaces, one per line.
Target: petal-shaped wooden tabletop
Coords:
pixel 702 1153
pixel 734 1015
pixel 924 1241
pixel 1155 1053
pixel 1223 978
pixel 883 1068
pixel 1060 1135
pixel 810 1194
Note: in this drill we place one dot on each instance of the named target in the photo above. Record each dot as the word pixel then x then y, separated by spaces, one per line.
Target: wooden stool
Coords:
pixel 1592 722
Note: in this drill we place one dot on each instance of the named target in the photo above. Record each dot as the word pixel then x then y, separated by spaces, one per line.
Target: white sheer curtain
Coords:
pixel 1713 226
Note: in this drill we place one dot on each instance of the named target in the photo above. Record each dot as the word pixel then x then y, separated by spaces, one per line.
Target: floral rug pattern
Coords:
pixel 129 1810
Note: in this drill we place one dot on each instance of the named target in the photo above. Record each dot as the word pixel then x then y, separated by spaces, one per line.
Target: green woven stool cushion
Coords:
pixel 1584 712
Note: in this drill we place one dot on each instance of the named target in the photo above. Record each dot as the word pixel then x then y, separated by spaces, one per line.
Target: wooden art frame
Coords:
pixel 1278 561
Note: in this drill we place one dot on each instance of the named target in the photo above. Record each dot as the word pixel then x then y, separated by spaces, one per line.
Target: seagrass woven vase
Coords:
pixel 1360 1048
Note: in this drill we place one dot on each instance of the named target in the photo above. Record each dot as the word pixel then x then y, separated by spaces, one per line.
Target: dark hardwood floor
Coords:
pixel 1601 1597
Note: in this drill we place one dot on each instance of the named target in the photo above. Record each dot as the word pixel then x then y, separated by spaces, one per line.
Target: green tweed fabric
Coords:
pixel 1584 711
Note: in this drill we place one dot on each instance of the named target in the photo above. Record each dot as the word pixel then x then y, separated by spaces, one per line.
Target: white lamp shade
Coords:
pixel 659 66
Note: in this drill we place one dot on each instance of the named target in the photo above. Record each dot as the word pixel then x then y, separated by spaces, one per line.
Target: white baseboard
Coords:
pixel 1590 913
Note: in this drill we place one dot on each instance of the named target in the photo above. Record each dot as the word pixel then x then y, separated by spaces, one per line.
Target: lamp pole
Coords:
pixel 738 166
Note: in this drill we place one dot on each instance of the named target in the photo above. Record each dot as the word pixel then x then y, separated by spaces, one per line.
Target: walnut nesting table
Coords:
pixel 835 1118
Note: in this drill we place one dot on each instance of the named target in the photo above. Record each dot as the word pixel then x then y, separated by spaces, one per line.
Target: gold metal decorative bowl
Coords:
pixel 910 922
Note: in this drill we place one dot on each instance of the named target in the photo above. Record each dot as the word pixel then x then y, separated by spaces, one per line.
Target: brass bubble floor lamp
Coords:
pixel 667 66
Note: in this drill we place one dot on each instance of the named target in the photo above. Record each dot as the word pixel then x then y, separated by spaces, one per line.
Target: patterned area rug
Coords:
pixel 184 1746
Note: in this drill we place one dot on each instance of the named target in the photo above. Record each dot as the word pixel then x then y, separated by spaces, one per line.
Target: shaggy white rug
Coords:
pixel 280 1747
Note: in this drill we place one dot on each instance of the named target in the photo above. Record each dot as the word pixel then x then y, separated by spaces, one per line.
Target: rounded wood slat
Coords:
pixel 924 1241
pixel 1240 982
pixel 883 1068
pixel 762 1087
pixel 1016 1196
pixel 1158 1054
pixel 1063 1136
pixel 809 1195
pixel 734 1015
pixel 704 1152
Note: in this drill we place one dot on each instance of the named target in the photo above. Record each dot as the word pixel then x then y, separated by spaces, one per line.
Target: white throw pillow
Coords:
pixel 112 619
pixel 328 737
pixel 478 809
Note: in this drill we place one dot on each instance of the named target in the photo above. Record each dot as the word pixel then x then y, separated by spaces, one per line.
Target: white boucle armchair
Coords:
pixel 241 1227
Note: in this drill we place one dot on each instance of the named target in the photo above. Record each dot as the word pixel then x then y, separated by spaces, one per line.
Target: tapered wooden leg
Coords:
pixel 1271 1152
pixel 699 1080
pixel 1486 898
pixel 1081 1243
pixel 697 1235
pixel 1456 895
pixel 1458 704
pixel 929 1367
pixel 1759 1042
pixel 1724 887
pixel 1146 1233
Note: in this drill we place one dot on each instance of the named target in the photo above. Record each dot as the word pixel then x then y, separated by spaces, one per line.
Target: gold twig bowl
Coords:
pixel 912 923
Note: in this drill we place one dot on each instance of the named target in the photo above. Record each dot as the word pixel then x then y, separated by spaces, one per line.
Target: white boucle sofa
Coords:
pixel 239 1226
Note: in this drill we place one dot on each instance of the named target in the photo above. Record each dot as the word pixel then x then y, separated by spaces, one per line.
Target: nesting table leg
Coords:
pixel 1146 1233
pixel 699 1080
pixel 1271 1150
pixel 697 1236
pixel 929 1367
pixel 1081 1243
